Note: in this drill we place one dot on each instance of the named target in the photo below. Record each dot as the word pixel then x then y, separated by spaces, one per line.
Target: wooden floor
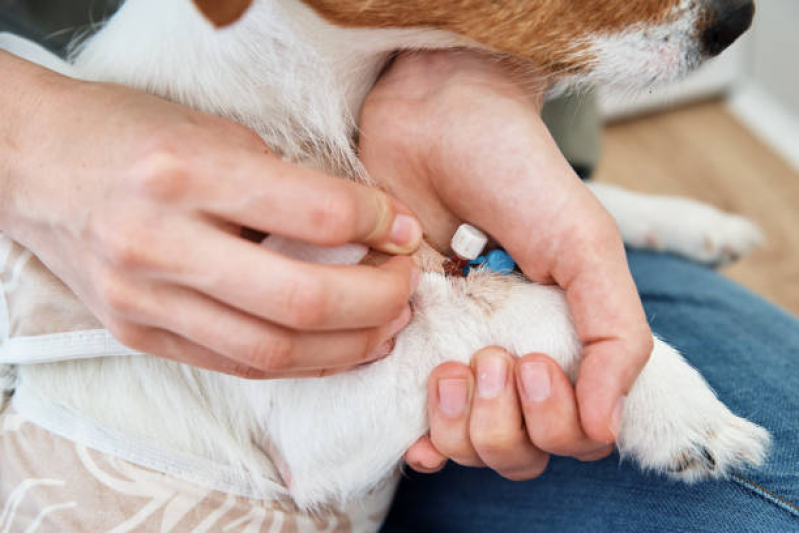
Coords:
pixel 705 153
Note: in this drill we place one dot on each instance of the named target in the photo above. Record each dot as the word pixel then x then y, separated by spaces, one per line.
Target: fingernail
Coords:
pixel 452 396
pixel 615 418
pixel 492 374
pixel 405 231
pixel 535 381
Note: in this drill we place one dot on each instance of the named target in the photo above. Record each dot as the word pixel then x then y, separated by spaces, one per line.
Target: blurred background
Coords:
pixel 728 136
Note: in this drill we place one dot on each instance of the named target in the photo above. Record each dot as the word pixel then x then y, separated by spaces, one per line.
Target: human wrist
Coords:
pixel 28 87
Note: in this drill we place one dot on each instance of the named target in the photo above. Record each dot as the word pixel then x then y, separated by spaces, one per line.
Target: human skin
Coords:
pixel 458 139
pixel 156 191
pixel 135 203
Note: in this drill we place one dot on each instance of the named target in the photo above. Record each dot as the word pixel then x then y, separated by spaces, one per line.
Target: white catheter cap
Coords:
pixel 469 242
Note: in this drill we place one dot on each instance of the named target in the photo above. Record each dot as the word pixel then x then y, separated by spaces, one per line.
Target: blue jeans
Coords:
pixel 748 351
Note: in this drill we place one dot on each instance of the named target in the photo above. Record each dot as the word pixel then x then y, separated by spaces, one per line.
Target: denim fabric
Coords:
pixel 749 352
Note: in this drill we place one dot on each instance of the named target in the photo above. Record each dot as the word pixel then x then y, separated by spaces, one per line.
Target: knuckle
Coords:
pixel 162 176
pixel 129 334
pixel 117 297
pixel 533 471
pixel 494 443
pixel 303 303
pixel 396 298
pixel 451 444
pixel 247 372
pixel 334 218
pixel 638 349
pixel 273 354
pixel 558 442
pixel 127 249
pixel 645 346
pixel 595 456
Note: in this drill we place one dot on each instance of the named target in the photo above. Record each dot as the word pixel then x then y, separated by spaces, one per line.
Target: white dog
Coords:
pixel 297 72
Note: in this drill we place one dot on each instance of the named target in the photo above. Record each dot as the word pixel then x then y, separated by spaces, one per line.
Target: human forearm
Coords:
pixel 26 88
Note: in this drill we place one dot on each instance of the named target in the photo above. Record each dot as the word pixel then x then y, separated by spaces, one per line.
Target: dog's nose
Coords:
pixel 729 20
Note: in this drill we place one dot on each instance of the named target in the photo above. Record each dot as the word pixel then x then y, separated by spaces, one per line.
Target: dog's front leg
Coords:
pixel 682 226
pixel 340 436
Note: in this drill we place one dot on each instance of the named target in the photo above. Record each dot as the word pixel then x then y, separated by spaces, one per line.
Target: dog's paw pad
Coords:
pixel 697 458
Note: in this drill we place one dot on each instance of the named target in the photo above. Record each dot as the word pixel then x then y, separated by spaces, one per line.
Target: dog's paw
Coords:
pixel 728 444
pixel 737 445
pixel 725 238
pixel 696 231
pixel 674 424
pixel 679 225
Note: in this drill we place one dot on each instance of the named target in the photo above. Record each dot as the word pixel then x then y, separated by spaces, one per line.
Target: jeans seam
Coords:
pixel 771 497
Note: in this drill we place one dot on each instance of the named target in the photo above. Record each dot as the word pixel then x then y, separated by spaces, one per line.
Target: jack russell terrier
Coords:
pixel 297 72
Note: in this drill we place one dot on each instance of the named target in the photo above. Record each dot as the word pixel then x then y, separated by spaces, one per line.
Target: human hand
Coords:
pixel 459 140
pixel 504 413
pixel 138 204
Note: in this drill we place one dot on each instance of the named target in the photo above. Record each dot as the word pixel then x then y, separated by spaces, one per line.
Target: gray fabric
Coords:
pixel 53 23
pixel 576 125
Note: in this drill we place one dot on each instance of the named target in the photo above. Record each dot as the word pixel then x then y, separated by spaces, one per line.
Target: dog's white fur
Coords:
pixel 299 82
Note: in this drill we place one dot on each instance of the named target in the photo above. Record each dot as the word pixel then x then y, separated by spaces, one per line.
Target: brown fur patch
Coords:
pixel 545 32
pixel 222 12
pixel 487 291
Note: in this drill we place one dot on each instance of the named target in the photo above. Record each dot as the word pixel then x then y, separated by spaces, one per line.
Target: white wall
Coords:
pixel 774 57
pixel 767 99
pixel 760 72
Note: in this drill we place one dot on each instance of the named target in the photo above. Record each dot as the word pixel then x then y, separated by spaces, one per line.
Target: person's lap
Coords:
pixel 747 349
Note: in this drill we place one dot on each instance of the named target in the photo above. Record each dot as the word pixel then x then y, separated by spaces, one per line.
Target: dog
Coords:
pixel 297 72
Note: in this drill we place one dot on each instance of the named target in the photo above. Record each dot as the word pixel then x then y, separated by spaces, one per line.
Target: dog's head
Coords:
pixel 622 42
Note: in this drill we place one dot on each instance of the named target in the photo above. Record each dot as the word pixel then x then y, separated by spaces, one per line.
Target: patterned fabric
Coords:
pixel 32 300
pixel 51 484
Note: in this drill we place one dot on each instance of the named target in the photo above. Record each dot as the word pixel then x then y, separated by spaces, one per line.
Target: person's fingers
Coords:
pixel 424 457
pixel 551 414
pixel 496 426
pixel 263 192
pixel 291 293
pixel 590 264
pixel 588 261
pixel 171 346
pixel 610 320
pixel 252 342
pixel 577 245
pixel 449 397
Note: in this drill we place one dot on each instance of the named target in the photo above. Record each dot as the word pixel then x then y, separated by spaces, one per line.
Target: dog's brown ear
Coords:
pixel 222 12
